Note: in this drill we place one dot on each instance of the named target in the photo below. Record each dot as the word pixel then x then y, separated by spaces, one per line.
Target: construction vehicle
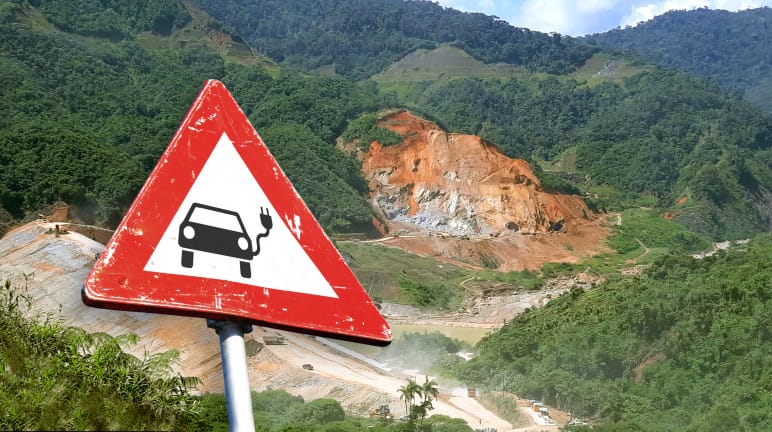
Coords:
pixel 274 339
pixel 382 411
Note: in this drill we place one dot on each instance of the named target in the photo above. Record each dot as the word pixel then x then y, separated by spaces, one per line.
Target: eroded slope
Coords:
pixel 475 203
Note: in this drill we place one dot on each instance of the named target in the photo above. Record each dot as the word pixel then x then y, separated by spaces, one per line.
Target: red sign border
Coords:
pixel 119 281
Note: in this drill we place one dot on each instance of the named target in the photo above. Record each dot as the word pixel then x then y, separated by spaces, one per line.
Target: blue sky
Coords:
pixel 580 17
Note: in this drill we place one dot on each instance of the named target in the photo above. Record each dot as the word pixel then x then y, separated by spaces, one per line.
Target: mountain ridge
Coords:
pixel 730 48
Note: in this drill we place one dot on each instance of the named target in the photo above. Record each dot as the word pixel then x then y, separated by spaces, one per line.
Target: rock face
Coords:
pixel 460 185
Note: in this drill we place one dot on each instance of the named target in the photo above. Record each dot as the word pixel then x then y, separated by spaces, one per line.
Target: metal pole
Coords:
pixel 238 394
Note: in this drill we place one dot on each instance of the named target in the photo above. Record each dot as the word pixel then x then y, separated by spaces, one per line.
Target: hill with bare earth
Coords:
pixel 452 194
pixel 52 265
pixel 459 198
pixel 730 48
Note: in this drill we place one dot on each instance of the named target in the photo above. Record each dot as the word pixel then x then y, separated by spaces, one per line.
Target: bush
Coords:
pixel 435 296
pixel 59 377
pixel 366 131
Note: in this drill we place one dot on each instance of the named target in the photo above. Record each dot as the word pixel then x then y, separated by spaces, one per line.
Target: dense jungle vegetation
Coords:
pixel 733 49
pixel 83 120
pixel 650 139
pixel 56 377
pixel 359 38
pixel 685 346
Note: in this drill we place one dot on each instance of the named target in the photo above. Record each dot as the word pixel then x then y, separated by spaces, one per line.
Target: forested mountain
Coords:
pixel 359 38
pixel 92 92
pixel 732 48
pixel 655 137
pixel 658 137
pixel 685 346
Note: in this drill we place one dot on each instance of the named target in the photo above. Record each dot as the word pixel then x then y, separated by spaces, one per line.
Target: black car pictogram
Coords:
pixel 220 231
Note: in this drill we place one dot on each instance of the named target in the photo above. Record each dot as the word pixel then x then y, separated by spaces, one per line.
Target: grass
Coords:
pixel 565 162
pixel 526 279
pixel 616 69
pixel 446 61
pixel 648 228
pixel 503 405
pixel 392 275
pixel 381 268
pixel 644 236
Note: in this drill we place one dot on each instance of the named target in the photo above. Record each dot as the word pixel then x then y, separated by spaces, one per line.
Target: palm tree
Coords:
pixel 422 409
pixel 430 392
pixel 408 393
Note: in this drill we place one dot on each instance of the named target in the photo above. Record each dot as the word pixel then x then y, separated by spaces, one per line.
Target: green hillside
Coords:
pixel 445 61
pixel 639 135
pixel 92 92
pixel 359 38
pixel 731 48
pixel 653 137
pixel 686 346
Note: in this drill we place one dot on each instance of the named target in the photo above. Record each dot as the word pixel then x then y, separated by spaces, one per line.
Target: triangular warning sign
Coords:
pixel 218 231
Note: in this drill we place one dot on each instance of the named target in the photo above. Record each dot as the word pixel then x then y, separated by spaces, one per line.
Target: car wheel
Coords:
pixel 246 269
pixel 187 259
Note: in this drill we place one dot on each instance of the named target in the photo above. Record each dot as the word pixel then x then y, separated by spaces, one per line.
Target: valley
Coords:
pixel 52 262
pixel 591 214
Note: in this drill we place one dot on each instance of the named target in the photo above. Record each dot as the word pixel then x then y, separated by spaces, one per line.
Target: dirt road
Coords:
pixel 56 266
pixel 335 372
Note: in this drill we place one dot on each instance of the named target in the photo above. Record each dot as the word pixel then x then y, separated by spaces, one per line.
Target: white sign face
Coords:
pixel 227 229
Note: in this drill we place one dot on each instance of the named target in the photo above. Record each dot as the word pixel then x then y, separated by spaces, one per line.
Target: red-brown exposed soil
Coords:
pixel 457 198
pixel 452 197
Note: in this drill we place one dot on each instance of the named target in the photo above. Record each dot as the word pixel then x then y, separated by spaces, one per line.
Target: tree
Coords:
pixel 426 392
pixel 429 391
pixel 408 393
pixel 319 411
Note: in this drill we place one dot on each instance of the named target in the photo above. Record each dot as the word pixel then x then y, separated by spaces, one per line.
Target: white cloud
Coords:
pixel 645 12
pixel 579 17
pixel 565 16
pixel 484 6
pixel 541 14
pixel 595 5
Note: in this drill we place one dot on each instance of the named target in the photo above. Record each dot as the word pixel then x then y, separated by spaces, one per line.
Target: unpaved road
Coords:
pixel 55 267
pixel 331 368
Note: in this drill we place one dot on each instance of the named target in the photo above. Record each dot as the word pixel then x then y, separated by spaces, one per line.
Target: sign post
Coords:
pixel 238 394
pixel 219 232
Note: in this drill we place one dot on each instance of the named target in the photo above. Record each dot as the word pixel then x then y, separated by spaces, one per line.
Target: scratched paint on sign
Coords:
pixel 220 232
